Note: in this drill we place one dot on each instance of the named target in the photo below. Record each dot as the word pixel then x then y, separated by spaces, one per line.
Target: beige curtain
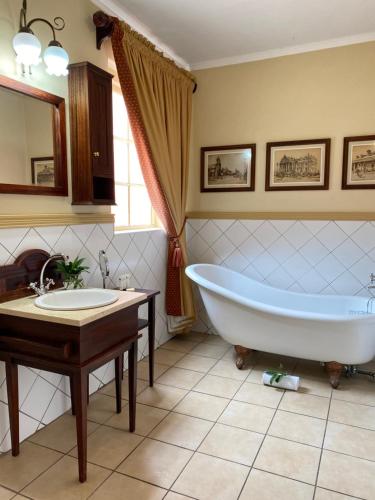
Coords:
pixel 158 98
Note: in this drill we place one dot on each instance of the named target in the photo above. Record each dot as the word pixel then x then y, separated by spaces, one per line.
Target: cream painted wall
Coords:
pixel 328 93
pixel 78 38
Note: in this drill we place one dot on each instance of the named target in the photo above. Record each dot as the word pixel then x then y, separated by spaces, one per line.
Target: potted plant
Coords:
pixel 71 272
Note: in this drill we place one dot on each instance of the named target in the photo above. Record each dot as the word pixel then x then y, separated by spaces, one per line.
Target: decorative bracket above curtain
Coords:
pixel 104 28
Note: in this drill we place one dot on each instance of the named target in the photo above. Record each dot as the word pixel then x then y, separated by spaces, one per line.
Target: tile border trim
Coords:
pixel 347 216
pixel 43 220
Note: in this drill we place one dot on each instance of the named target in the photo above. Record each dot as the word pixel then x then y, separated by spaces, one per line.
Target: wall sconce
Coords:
pixel 28 48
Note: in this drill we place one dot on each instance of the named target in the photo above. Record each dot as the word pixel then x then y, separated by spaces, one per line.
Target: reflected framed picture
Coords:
pixel 298 165
pixel 228 168
pixel 358 170
pixel 43 171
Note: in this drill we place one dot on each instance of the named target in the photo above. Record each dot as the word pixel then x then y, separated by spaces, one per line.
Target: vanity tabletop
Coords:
pixel 25 308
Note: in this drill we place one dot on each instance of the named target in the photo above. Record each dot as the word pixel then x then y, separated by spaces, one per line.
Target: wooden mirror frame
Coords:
pixel 59 141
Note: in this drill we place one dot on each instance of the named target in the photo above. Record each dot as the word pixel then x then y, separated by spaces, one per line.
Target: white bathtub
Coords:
pixel 317 327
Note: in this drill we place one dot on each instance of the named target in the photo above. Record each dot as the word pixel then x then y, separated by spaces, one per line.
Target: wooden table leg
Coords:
pixel 11 370
pixel 132 359
pixel 151 338
pixel 119 368
pixel 72 394
pixel 80 402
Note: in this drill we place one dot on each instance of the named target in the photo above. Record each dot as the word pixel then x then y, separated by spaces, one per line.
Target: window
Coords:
pixel 133 208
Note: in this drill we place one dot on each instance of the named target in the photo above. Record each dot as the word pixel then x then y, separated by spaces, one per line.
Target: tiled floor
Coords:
pixel 210 432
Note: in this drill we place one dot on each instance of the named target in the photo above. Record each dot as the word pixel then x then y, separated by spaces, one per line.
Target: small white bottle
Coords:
pixel 124 281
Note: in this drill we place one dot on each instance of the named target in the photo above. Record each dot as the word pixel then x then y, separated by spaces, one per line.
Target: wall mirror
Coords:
pixel 32 140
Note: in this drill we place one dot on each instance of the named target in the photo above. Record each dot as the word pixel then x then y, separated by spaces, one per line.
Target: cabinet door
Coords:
pixel 101 126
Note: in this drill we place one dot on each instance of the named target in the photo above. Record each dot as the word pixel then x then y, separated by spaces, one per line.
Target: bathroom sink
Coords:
pixel 71 300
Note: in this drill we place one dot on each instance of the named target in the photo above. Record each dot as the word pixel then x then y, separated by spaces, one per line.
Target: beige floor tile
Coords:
pixel 179 377
pixel 101 407
pixel 108 447
pixel 306 430
pixel 215 339
pixel 357 390
pixel 352 414
pixel 197 404
pixel 60 435
pixel 316 386
pixel 167 357
pixel 17 472
pixel 179 345
pixel 350 440
pixel 256 373
pixel 197 363
pixel 6 494
pixel 247 416
pixel 147 418
pixel 265 486
pixel 225 368
pixel 143 370
pixel 110 389
pixel 259 395
pixel 210 350
pixel 306 404
pixel 155 462
pixel 321 494
pixel 119 487
pixel 194 336
pixel 231 443
pixel 348 475
pixel 182 430
pixel 218 386
pixel 60 482
pixel 286 458
pixel 161 396
pixel 209 478
pixel 176 496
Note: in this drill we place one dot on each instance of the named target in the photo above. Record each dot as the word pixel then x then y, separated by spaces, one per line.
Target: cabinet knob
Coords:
pixel 96 154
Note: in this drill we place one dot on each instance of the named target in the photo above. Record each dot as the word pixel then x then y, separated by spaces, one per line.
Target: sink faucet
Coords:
pixel 370 288
pixel 43 288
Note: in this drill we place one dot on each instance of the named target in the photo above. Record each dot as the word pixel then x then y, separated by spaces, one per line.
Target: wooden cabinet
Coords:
pixel 91 126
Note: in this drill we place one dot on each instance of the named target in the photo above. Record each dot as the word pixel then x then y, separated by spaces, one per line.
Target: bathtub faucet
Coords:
pixel 370 288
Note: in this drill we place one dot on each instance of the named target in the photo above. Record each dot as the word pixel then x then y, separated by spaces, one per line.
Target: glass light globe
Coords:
pixel 57 60
pixel 27 47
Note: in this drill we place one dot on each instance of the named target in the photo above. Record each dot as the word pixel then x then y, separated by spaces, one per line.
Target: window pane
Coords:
pixel 140 206
pixel 121 211
pixel 120 116
pixel 136 176
pixel 121 160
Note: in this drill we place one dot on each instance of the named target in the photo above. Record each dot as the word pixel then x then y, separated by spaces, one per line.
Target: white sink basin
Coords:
pixel 72 300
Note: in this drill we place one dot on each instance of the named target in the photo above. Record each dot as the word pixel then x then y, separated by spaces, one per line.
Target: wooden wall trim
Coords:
pixel 40 220
pixel 283 215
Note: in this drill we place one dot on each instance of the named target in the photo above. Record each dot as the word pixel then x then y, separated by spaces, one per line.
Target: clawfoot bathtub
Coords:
pixel 250 315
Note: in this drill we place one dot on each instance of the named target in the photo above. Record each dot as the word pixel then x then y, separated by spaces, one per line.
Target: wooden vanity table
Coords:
pixel 71 343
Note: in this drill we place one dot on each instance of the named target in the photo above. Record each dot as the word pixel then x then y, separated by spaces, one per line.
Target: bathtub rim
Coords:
pixel 191 272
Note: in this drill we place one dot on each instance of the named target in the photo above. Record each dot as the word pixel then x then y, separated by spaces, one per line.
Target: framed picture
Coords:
pixel 228 168
pixel 358 170
pixel 43 171
pixel 296 165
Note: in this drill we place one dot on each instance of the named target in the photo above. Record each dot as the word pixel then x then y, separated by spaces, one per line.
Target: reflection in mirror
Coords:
pixel 26 140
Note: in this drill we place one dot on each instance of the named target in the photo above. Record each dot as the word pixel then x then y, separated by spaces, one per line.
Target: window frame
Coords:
pixel 116 89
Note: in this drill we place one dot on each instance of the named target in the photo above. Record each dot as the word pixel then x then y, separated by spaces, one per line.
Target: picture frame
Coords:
pixel 228 168
pixel 43 171
pixel 358 168
pixel 298 165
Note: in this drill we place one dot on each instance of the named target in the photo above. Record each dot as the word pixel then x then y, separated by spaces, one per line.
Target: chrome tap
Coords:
pixel 44 287
pixel 371 288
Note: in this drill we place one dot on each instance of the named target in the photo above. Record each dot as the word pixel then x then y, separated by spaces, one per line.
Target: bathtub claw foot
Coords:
pixel 334 371
pixel 241 354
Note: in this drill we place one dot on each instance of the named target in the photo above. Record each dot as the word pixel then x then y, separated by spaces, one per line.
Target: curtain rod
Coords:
pixel 104 28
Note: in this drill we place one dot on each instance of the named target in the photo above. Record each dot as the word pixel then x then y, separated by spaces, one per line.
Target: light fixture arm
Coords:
pixel 59 24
